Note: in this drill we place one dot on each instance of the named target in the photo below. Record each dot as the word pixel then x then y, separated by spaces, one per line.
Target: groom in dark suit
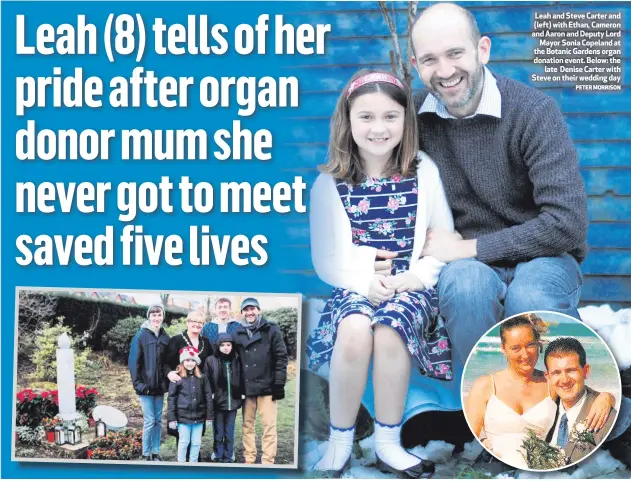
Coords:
pixel 567 370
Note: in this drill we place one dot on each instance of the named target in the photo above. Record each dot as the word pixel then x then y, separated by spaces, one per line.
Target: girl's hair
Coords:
pixel 534 322
pixel 181 371
pixel 344 161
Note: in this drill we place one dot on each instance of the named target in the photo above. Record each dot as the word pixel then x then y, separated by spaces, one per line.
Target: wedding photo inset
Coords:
pixel 156 377
pixel 541 391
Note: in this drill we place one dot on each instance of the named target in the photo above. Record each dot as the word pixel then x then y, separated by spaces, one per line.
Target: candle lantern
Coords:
pixel 73 434
pixel 60 435
pixel 100 428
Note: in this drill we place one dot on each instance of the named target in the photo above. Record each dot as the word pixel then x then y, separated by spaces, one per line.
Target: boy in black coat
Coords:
pixel 225 373
pixel 146 360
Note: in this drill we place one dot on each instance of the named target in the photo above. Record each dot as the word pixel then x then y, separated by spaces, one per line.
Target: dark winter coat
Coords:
pixel 146 359
pixel 177 342
pixel 226 376
pixel 190 400
pixel 263 357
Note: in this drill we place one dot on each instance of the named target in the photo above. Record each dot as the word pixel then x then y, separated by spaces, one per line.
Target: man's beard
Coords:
pixel 476 83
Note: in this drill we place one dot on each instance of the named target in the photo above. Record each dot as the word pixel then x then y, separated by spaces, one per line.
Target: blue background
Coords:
pixel 599 123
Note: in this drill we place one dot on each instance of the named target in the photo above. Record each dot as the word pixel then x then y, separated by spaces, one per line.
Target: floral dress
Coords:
pixel 382 213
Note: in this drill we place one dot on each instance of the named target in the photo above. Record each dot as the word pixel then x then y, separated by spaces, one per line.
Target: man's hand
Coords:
pixel 600 411
pixel 404 282
pixel 383 262
pixel 278 393
pixel 173 376
pixel 378 292
pixel 173 425
pixel 448 246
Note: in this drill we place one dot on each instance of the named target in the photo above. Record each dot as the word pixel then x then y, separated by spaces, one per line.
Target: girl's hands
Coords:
pixel 404 282
pixel 383 262
pixel 378 292
pixel 172 425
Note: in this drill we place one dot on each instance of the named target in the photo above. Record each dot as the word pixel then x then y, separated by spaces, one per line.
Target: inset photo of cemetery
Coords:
pixel 156 377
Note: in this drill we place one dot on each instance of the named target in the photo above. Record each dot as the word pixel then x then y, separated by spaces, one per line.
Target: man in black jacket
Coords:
pixel 146 358
pixel 264 358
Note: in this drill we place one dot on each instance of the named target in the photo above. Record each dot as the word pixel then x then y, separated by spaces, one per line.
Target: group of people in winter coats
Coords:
pixel 210 371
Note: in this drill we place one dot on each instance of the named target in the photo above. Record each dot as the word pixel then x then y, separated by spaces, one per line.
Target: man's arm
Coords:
pixel 558 191
pixel 280 357
pixel 133 362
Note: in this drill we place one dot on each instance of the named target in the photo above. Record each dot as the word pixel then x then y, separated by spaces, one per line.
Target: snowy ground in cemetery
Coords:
pixel 613 326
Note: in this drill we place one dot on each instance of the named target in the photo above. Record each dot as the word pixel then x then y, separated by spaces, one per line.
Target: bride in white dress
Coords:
pixel 503 405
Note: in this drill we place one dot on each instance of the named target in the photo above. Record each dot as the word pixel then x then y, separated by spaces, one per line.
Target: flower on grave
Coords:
pixel 86 399
pixel 50 423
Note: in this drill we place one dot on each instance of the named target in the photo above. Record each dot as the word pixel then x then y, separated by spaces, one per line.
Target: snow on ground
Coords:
pixel 614 327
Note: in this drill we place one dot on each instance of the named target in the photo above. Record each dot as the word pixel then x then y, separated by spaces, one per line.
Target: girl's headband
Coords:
pixel 373 77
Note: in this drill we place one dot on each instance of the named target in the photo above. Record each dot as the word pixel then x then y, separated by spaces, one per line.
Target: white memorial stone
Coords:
pixel 65 380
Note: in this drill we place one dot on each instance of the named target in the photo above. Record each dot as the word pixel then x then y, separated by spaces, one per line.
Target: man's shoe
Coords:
pixel 144 458
pixel 424 469
pixel 156 457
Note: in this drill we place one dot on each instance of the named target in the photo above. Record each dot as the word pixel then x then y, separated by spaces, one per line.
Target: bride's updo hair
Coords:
pixel 531 320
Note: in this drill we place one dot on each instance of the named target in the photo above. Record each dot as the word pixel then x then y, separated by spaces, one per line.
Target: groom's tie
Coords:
pixel 562 439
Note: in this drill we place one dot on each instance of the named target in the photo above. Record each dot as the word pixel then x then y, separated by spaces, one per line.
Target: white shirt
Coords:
pixel 340 263
pixel 223 326
pixel 490 101
pixel 571 413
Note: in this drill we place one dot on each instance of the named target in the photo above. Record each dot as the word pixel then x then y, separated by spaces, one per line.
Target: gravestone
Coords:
pixel 65 380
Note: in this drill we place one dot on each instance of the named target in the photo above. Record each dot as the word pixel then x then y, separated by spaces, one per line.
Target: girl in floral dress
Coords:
pixel 370 209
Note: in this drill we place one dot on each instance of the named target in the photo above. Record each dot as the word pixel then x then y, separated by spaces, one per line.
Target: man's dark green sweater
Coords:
pixel 512 183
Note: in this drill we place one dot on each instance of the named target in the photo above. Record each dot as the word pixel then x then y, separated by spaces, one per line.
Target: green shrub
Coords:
pixel 30 435
pixel 45 357
pixel 176 327
pixel 90 316
pixel 118 339
pixel 287 320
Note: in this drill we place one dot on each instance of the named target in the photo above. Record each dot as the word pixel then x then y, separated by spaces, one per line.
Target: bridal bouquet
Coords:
pixel 582 437
pixel 541 455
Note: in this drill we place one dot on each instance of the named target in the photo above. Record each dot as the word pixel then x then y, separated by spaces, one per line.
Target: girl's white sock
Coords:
pixel 388 446
pixel 339 449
